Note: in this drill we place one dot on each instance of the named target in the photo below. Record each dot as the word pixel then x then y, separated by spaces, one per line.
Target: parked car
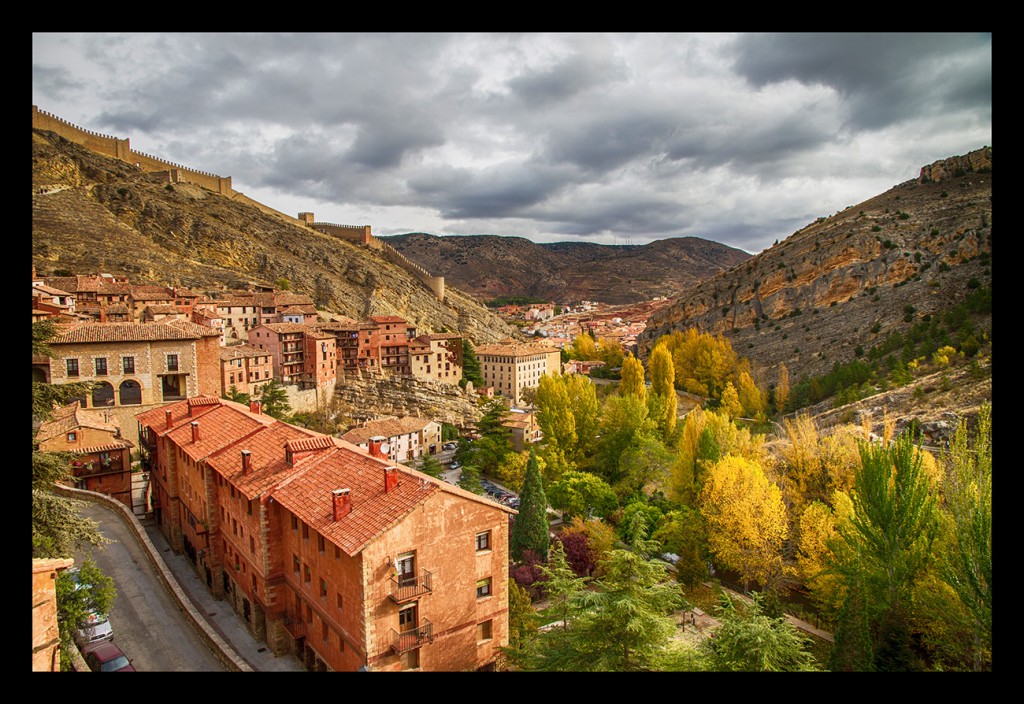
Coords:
pixel 450 446
pixel 106 657
pixel 96 627
pixel 454 465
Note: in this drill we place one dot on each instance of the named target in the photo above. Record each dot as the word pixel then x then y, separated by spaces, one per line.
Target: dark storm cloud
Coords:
pixel 886 78
pixel 566 79
pixel 504 190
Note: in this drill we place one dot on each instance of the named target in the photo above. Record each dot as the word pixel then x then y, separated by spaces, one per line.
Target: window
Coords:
pixel 305 574
pixel 323 589
pixel 406 569
pixel 407 619
pixel 252 545
pixel 339 600
pixel 484 630
pixel 172 362
pixel 305 531
pixel 483 541
pixel 320 543
pixel 101 366
pixel 483 588
pixel 295 523
pixel 72 437
pixel 295 563
pixel 72 367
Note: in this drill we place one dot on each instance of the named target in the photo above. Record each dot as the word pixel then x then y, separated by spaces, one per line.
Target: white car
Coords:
pixel 94 628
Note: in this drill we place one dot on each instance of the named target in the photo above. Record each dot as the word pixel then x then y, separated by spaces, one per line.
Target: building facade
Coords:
pixel 511 367
pixel 326 551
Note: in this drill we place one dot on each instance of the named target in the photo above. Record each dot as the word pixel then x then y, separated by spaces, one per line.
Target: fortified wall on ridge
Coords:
pixel 176 173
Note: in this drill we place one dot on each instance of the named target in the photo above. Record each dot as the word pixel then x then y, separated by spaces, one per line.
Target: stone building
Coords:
pixel 326 551
pixel 45 631
pixel 511 366
pixel 301 354
pixel 136 365
pixel 437 356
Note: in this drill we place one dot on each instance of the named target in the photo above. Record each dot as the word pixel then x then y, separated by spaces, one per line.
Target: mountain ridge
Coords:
pixel 492 266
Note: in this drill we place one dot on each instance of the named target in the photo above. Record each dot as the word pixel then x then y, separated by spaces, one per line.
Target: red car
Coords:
pixel 106 657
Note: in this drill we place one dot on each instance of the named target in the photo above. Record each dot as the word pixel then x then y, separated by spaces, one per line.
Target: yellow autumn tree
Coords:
pixel 663 386
pixel 731 401
pixel 752 398
pixel 746 519
pixel 782 389
pixel 703 362
pixel 817 528
pixel 583 347
pixel 632 381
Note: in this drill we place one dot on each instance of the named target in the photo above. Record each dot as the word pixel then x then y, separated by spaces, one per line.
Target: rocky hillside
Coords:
pixel 491 266
pixel 847 281
pixel 93 214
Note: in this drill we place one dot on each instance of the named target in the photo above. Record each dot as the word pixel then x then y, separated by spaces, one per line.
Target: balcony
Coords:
pixel 408 587
pixel 412 638
pixel 295 626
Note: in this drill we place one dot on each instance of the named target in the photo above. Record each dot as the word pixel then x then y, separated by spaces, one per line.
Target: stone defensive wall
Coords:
pixel 176 173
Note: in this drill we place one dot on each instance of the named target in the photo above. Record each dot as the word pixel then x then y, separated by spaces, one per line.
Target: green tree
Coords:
pixel 471 370
pixel 751 641
pixel 274 400
pixel 80 592
pixel 884 547
pixel 562 587
pixel 586 412
pixel 579 493
pixel 622 624
pixel 469 479
pixel 237 396
pixel 430 465
pixel 967 561
pixel 645 465
pixel 624 421
pixel 530 527
pixel 522 620
pixel 554 413
pixel 57 526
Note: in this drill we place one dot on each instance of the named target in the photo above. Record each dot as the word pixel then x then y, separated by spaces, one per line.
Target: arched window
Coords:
pixel 102 394
pixel 130 393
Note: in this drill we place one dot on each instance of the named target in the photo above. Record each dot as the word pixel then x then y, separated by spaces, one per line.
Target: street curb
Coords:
pixel 220 647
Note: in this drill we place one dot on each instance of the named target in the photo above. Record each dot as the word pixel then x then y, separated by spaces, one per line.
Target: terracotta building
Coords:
pixel 246 368
pixel 300 353
pixel 102 457
pixel 328 552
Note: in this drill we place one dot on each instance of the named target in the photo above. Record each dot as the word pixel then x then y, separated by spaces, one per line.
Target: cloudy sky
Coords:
pixel 609 138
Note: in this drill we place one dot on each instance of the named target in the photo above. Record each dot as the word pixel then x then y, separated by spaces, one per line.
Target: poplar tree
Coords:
pixel 530 527
pixel 663 375
pixel 632 382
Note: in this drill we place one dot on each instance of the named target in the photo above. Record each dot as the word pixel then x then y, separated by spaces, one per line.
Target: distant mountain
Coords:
pixel 492 266
pixel 96 214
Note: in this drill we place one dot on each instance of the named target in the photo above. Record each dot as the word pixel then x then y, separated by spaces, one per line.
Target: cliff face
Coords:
pixel 490 266
pixel 848 280
pixel 92 214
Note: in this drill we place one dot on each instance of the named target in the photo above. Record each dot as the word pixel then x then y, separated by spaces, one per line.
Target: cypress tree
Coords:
pixel 530 527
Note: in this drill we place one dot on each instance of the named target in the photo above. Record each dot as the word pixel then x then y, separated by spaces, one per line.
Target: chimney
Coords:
pixel 390 478
pixel 195 431
pixel 246 461
pixel 342 503
pixel 167 416
pixel 254 406
pixel 377 447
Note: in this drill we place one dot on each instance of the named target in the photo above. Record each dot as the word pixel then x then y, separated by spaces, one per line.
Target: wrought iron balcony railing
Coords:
pixel 405 587
pixel 403 641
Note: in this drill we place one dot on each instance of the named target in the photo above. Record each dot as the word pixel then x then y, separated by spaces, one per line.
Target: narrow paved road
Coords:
pixel 148 624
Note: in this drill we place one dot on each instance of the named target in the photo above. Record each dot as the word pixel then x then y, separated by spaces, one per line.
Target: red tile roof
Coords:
pixel 131 332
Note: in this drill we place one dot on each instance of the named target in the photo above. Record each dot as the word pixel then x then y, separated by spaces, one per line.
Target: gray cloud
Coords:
pixel 582 136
